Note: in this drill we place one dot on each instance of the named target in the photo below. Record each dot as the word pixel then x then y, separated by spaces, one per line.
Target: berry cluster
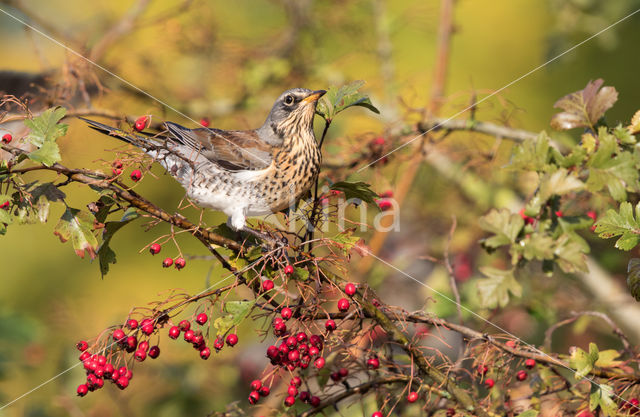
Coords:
pixel 179 262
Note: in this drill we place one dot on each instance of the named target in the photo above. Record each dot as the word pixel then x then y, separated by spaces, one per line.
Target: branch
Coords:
pixel 491 129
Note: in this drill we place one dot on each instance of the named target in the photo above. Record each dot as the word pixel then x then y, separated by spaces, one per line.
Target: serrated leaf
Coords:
pixel 532 155
pixel 634 126
pixel 45 129
pixel 300 274
pixel 237 311
pixel 582 361
pixel 585 107
pixel 570 254
pixel 602 396
pixel 559 182
pixel 346 241
pixel 607 358
pixel 358 190
pixel 618 173
pixel 106 255
pixel 633 278
pixel 623 224
pixel 494 290
pixel 538 246
pixel 503 224
pixel 78 226
pixel 624 135
pixel 339 99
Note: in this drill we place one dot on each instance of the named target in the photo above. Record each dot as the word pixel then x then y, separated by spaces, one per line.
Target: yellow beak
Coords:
pixel 314 96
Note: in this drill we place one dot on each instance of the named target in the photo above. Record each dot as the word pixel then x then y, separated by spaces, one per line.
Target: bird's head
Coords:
pixel 292 112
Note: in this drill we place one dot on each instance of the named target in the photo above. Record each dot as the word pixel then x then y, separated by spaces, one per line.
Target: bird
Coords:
pixel 242 173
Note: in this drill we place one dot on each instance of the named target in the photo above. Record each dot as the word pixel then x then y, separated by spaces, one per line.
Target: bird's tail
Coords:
pixel 145 142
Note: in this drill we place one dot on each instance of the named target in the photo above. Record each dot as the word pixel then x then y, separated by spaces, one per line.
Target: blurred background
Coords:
pixel 228 61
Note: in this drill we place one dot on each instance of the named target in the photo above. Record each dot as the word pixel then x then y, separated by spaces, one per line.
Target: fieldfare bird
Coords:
pixel 240 172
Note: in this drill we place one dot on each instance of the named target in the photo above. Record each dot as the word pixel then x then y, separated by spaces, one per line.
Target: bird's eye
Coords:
pixel 288 100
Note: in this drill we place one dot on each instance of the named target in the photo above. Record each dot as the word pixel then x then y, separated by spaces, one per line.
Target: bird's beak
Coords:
pixel 314 96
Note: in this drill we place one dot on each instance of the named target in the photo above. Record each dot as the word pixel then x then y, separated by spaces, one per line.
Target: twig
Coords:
pixel 491 129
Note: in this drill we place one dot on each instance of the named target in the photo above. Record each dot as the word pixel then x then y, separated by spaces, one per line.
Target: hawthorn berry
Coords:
pixel 343 304
pixel 205 353
pixel 154 352
pixel 319 363
pixel 155 248
pixel 511 344
pixel 305 396
pixel 141 123
pixel 254 396
pixel 301 337
pixel 286 313
pixel 218 344
pixel 131 343
pixel 387 194
pixel 292 391
pixel 108 370
pixel 289 401
pixel 116 171
pixel 118 335
pixel 288 269
pixel 350 289
pixel 148 328
pixel 167 262
pixel 450 412
pixel 264 391
pixel 267 285
pixel 376 414
pixel 255 384
pixel 82 388
pixel 201 318
pixel 373 363
pixel 272 352
pixel 593 215
pixel 184 325
pixel 189 335
pixel 529 363
pixel 7 138
pixel 117 164
pixel 232 339
pixel 521 375
pixel 482 369
pixel 489 383
pixel 292 342
pixel 384 205
pixel 136 175
pixel 559 213
pixel 5 205
pixel 343 372
pixel 174 332
pixel 314 401
pixel 330 325
pixel 180 263
pixel 84 356
pixel 412 397
pixel 122 382
pixel 279 329
pixel 296 381
pixel 205 122
pixel 293 355
pixel 82 346
pixel 335 376
pixel 314 351
pixel 144 345
pixel 132 324
pixel 140 355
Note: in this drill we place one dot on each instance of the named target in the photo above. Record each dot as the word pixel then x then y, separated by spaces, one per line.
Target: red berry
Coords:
pixel 301 337
pixel 293 355
pixel 117 164
pixel 189 335
pixel 558 213
pixel 116 171
pixel 482 369
pixel 255 384
pixel 6 138
pixel 118 335
pixel 330 325
pixel 288 269
pixel 343 372
pixel 141 123
pixel 527 219
pixel 204 122
pixel 289 401
pixel 314 401
pixel 314 351
pixel 218 344
pixel 450 412
pixel 148 328
pixel 82 389
pixel 292 342
pixel 319 363
pixel 140 355
pixel 136 175
pixel 376 414
pixel 167 262
pixel 529 363
pixel 489 383
pixel 232 339
pixel 264 391
pixel 343 304
pixel 201 318
pixel 122 382
pixel 634 401
pixel 5 205
pixel 144 345
pixel 205 353
pixel 305 396
pixel 350 289
pixel 316 341
pixel 254 396
pixel 84 356
pixel 132 324
pixel 373 363
pixel 180 263
pixel 335 376
pixel 511 344
pixel 279 329
pixel 387 194
pixel 108 370
pixel 521 375
pixel 174 332
pixel 272 352
pixel 593 215
pixel 296 381
pixel 384 205
pixel 82 345
pixel 131 343
pixel 379 141
pixel 292 390
pixel 155 248
pixel 267 285
pixel 154 352
pixel 286 313
pixel 412 397
pixel 184 325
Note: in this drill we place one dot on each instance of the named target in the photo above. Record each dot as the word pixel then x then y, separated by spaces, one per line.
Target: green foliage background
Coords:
pixel 228 61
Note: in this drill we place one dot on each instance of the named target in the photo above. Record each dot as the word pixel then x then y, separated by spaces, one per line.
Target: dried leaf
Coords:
pixel 585 107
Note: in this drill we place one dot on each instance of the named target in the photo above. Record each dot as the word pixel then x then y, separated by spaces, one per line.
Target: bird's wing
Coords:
pixel 231 150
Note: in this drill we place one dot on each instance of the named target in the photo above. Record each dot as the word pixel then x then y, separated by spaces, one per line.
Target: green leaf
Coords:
pixel 346 241
pixel 617 173
pixel 300 274
pixel 624 135
pixel 45 129
pixel 585 107
pixel 607 358
pixel 633 277
pixel 570 254
pixel 532 155
pixel 358 190
pixel 5 217
pixel 622 224
pixel 538 246
pixel 494 290
pixel 602 396
pixel 529 413
pixel 582 361
pixel 559 182
pixel 106 255
pixel 503 224
pixel 339 99
pixel 237 311
pixel 78 226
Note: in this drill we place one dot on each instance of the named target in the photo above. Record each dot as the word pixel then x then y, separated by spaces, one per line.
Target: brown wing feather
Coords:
pixel 236 150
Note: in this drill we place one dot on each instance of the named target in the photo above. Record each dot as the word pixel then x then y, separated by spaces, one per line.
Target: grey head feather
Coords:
pixel 279 112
